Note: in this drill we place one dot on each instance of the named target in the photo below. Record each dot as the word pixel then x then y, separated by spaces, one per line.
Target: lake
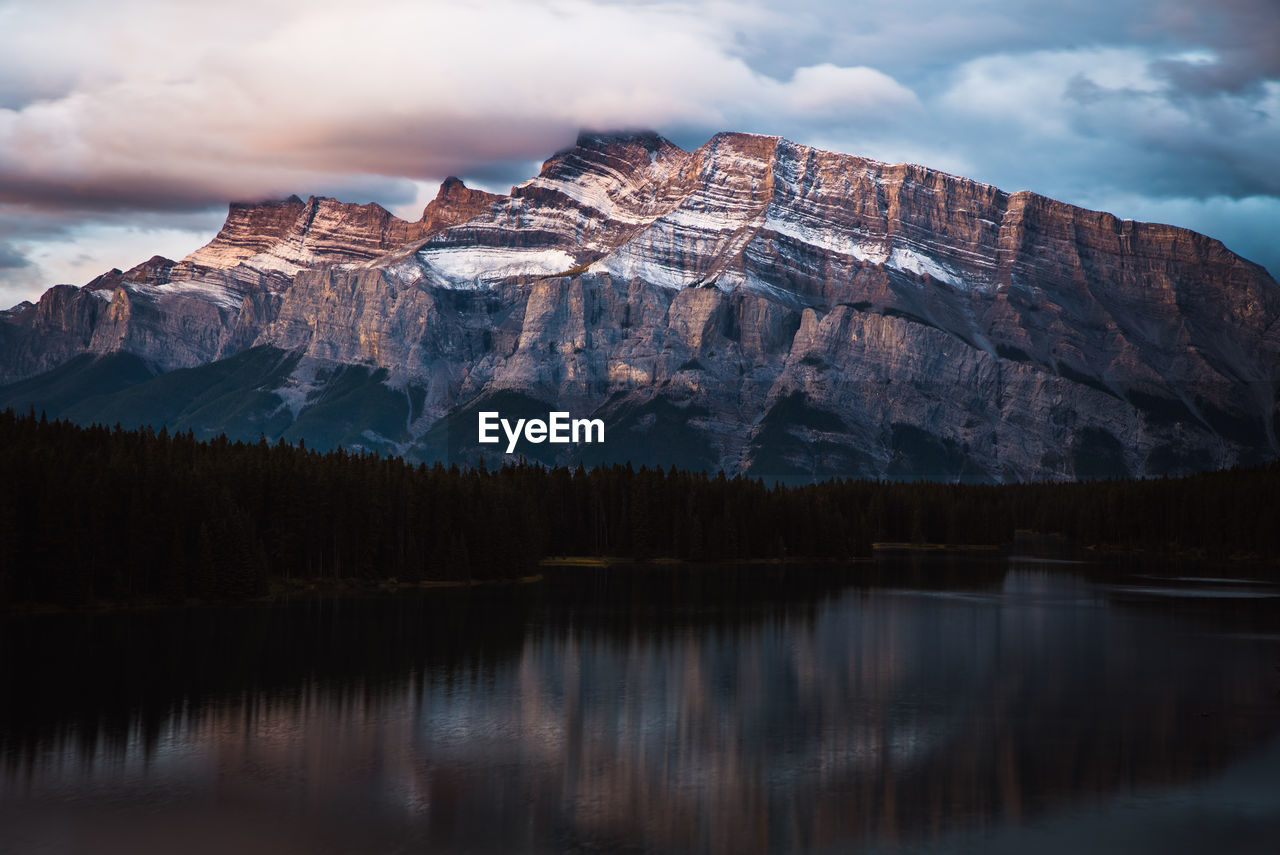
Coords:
pixel 918 704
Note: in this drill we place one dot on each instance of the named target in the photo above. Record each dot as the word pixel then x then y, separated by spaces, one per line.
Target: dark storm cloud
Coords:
pixel 105 193
pixel 1245 37
pixel 1165 145
pixel 12 258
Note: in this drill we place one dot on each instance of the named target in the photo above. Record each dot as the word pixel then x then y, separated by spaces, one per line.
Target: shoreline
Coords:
pixel 282 590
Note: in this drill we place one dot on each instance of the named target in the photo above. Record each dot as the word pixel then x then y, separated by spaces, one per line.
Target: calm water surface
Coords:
pixel 919 706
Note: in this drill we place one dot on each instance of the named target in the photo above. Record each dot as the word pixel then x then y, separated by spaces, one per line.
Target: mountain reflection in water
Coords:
pixel 999 706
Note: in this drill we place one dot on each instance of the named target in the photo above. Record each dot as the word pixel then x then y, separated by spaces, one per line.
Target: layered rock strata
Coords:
pixel 753 305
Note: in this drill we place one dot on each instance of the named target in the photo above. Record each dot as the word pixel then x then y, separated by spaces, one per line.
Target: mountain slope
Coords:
pixel 754 304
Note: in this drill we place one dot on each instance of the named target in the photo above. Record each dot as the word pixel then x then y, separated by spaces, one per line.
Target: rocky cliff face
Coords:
pixel 755 305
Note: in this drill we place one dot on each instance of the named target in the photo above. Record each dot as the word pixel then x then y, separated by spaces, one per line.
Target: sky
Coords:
pixel 127 127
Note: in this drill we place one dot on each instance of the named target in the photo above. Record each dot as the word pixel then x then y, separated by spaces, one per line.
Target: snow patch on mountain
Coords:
pixel 475 267
pixel 210 292
pixel 830 239
pixel 628 264
pixel 594 192
pixel 907 259
pixel 269 261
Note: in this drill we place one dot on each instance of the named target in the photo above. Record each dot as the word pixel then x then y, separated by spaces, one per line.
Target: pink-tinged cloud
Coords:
pixel 138 109
pixel 177 107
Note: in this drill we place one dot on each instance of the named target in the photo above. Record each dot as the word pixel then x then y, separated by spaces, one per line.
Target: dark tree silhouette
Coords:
pixel 100 514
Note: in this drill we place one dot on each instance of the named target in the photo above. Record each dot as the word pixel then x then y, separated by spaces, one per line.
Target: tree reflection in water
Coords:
pixel 744 710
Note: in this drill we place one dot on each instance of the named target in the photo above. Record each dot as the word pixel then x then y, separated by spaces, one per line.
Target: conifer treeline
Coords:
pixel 99 514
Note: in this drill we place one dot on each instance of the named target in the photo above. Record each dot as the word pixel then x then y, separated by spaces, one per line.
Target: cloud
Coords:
pixel 20 279
pixel 1245 35
pixel 143 113
pixel 819 90
pixel 1106 118
pixel 319 93
pixel 12 258
pixel 43 249
pixel 152 109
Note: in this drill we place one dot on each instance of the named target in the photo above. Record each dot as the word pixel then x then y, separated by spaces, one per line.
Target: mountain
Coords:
pixel 753 305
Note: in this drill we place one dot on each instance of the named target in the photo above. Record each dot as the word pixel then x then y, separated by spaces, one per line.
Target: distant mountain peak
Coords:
pixel 454 203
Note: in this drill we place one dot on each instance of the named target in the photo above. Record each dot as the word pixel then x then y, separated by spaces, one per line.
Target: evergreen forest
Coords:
pixel 96 514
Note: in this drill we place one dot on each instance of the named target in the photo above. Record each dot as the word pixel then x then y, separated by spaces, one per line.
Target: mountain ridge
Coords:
pixel 997 336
